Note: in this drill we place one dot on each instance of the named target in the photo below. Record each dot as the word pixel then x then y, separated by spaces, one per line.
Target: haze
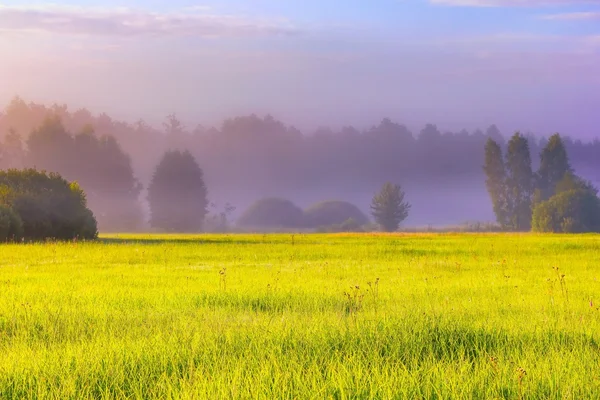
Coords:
pixel 529 65
pixel 460 64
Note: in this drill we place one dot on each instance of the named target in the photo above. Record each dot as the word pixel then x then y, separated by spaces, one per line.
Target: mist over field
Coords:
pixel 248 158
pixel 330 75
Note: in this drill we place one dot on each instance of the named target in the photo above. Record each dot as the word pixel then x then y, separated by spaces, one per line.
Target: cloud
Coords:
pixel 574 16
pixel 197 22
pixel 511 3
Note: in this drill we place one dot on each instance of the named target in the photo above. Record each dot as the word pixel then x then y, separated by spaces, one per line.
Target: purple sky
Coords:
pixel 529 65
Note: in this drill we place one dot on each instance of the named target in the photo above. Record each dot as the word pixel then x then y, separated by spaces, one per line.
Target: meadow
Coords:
pixel 306 316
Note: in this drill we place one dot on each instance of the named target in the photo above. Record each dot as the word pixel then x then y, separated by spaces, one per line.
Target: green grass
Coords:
pixel 302 316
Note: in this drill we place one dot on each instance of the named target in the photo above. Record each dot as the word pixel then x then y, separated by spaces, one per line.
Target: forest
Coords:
pixel 247 158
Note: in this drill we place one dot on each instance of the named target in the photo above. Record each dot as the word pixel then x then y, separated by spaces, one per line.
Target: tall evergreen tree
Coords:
pixel 177 194
pixel 554 165
pixel 519 183
pixel 496 182
pixel 389 208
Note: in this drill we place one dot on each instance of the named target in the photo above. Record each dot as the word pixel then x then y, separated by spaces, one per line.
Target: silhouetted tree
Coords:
pixel 496 182
pixel 177 194
pixel 554 164
pixel 519 182
pixel 51 147
pixel 494 133
pixel 389 208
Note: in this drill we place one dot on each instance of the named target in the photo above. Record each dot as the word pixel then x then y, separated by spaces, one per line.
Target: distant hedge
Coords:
pixel 43 206
pixel 333 212
pixel 272 213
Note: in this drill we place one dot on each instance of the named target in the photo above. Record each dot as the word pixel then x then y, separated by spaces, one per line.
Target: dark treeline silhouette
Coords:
pixel 251 157
pixel 551 199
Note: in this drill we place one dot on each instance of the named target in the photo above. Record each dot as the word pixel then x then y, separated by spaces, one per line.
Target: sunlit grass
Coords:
pixel 302 316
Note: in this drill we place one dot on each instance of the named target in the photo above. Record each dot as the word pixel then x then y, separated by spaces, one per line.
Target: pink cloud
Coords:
pixel 129 22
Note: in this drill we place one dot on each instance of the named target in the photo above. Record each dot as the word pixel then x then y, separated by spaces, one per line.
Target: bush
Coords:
pixel 573 211
pixel 48 206
pixel 333 212
pixel 11 225
pixel 272 213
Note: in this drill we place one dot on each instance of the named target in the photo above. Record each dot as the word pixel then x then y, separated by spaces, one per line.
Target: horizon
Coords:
pixel 454 63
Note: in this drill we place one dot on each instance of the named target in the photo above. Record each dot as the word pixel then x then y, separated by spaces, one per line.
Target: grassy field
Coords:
pixel 302 316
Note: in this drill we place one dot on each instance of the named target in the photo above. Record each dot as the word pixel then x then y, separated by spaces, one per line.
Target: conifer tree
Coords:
pixel 519 183
pixel 496 182
pixel 554 165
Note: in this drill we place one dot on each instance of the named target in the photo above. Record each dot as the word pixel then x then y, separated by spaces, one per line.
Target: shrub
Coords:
pixel 48 205
pixel 272 213
pixel 333 212
pixel 572 211
pixel 11 225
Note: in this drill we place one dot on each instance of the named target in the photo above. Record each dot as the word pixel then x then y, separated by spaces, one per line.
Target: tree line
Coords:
pixel 36 205
pixel 250 156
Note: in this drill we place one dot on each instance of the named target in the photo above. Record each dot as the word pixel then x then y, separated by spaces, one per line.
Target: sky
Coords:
pixel 529 65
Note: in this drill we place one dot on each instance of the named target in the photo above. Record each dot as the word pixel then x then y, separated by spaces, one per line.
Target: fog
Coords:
pixel 359 92
pixel 251 157
pixel 209 63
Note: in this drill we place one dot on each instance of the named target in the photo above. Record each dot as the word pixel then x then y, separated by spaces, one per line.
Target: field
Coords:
pixel 302 316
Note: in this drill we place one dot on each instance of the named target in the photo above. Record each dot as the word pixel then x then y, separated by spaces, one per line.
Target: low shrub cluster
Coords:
pixel 272 213
pixel 573 211
pixel 36 205
pixel 334 212
pixel 574 208
pixel 326 216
